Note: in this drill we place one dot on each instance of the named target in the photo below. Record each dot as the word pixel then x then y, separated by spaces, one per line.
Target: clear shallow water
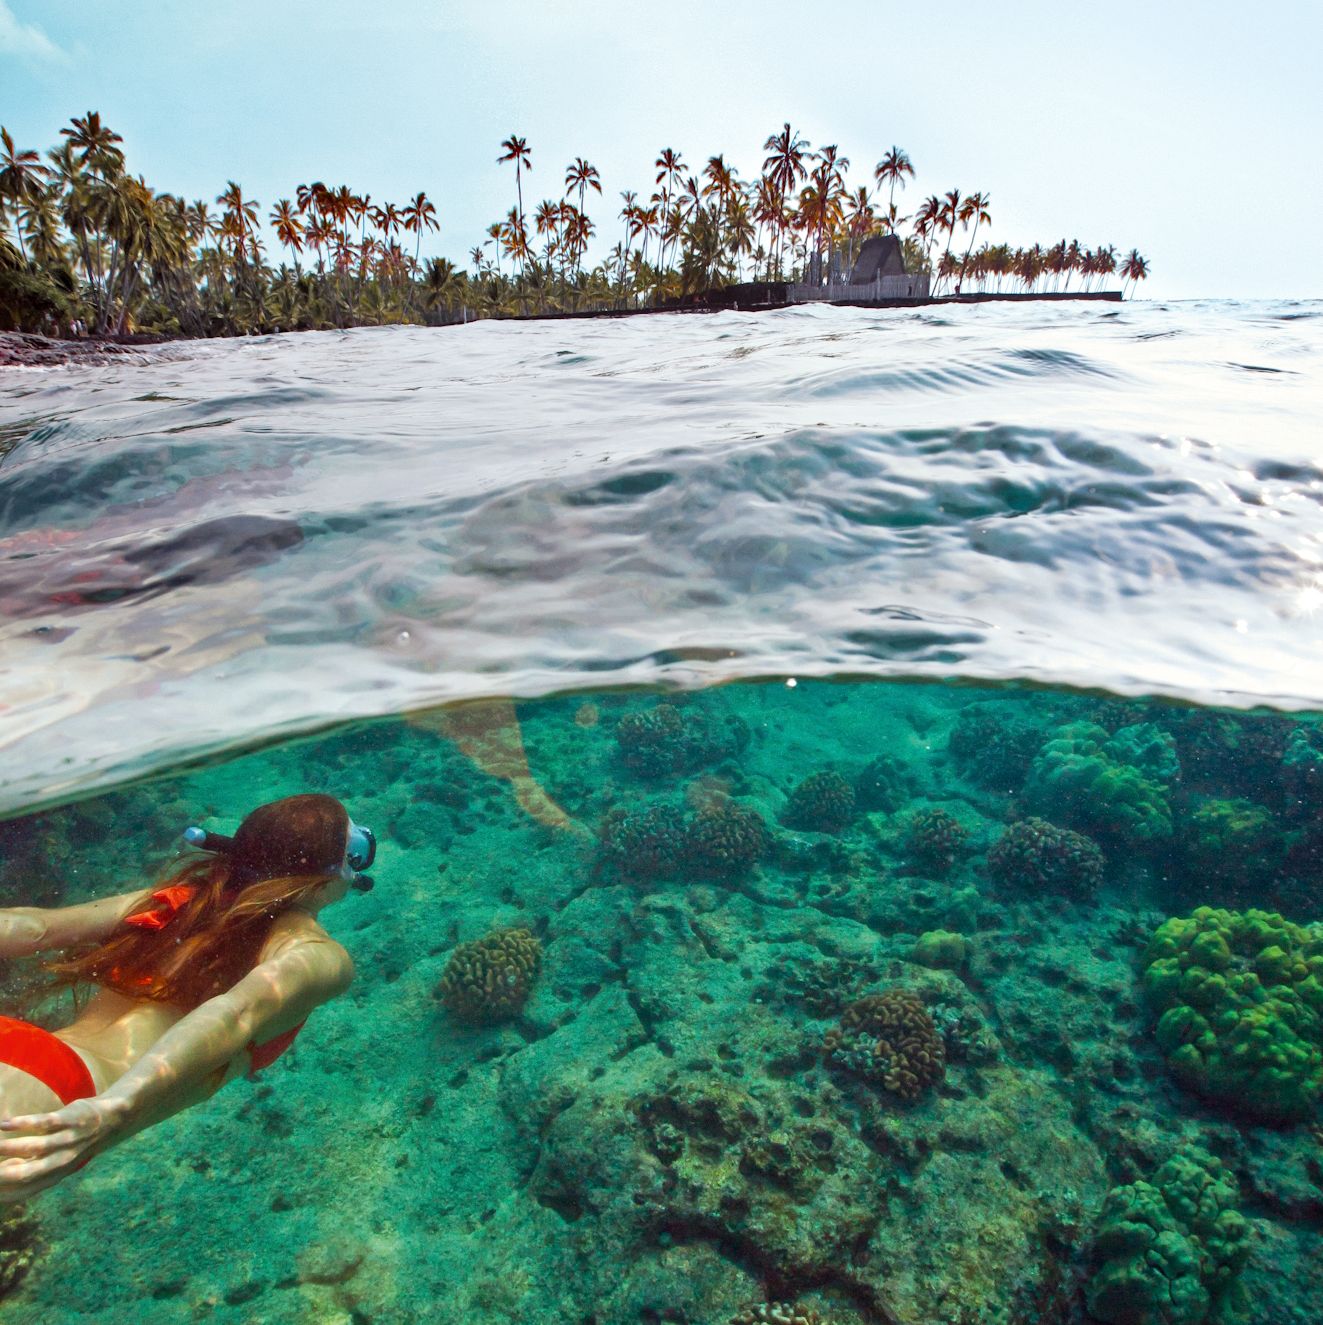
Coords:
pixel 240 539
pixel 665 1124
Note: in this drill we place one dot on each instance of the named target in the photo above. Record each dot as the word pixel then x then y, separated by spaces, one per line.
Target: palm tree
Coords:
pixel 892 170
pixel 514 238
pixel 784 168
pixel 720 182
pixel 670 166
pixel 1106 260
pixel 859 217
pixel 239 223
pixel 1133 269
pixel 442 283
pixel 516 150
pixel 829 181
pixel 579 174
pixel 974 208
pixel 629 213
pixel 926 221
pixel 288 227
pixel 96 142
pixel 948 216
pixel 21 176
pixel 547 222
pixel 420 215
pixel 740 229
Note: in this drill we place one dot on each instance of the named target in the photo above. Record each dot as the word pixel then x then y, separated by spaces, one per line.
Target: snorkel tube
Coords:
pixel 205 841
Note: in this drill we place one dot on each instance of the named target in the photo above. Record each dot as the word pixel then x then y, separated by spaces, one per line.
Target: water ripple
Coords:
pixel 243 539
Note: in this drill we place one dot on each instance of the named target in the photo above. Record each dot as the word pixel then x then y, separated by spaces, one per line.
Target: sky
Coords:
pixel 1188 129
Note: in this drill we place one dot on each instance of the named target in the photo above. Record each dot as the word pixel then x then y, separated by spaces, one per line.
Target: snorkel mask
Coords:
pixel 361 850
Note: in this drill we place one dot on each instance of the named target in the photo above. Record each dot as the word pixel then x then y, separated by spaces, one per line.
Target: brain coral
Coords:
pixel 822 803
pixel 777 1313
pixel 889 1039
pixel 646 843
pixel 726 840
pixel 1036 856
pixel 1170 1251
pixel 488 979
pixel 1240 1003
pixel 934 839
pixel 669 739
pixel 1113 787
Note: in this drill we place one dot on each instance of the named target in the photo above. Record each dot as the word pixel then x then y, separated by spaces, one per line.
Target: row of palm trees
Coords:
pixel 85 246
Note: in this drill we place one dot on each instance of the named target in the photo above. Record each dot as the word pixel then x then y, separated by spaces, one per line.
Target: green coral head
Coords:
pixel 1239 1006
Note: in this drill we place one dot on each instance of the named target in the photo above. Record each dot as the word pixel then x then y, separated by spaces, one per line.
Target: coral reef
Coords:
pixel 720 840
pixel 941 949
pixel 822 803
pixel 1239 997
pixel 670 739
pixel 646 843
pixel 889 1039
pixel 777 1313
pixel 1115 788
pixel 1034 856
pixel 725 840
pixel 934 838
pixel 489 979
pixel 1170 1251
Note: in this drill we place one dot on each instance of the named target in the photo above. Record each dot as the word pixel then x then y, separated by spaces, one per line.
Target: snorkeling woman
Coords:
pixel 201 980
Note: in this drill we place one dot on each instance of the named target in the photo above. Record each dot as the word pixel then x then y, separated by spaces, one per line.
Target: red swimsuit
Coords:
pixel 46 1057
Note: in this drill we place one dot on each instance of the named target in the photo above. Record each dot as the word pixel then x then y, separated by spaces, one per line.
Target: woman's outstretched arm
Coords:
pixel 187 1064
pixel 25 930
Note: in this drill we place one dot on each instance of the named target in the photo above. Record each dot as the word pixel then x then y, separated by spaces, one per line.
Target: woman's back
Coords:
pixel 114 1030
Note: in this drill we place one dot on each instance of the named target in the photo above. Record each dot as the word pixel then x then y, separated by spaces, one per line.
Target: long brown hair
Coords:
pixel 282 853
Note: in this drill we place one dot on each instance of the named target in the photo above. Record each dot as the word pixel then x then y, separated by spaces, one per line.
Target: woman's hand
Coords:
pixel 39 1149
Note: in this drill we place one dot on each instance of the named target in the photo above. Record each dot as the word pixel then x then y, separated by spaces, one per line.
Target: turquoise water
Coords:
pixel 873 980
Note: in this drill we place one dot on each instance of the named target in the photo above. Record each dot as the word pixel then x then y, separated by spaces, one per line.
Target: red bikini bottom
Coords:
pixel 46 1057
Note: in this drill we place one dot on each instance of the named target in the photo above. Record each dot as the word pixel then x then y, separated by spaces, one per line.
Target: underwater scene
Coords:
pixel 847 790
pixel 798 1002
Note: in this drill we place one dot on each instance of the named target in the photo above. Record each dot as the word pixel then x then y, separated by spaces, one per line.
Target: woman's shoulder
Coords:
pixel 293 928
pixel 316 963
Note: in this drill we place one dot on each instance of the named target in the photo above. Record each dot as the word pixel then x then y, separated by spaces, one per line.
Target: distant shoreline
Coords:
pixel 721 301
pixel 21 349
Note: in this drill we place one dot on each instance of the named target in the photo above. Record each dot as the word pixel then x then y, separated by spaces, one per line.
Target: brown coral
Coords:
pixel 889 1038
pixel 822 803
pixel 488 979
pixel 18 1247
pixel 777 1313
pixel 726 839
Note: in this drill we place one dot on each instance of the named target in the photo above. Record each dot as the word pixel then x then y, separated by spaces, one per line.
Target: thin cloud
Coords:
pixel 25 39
